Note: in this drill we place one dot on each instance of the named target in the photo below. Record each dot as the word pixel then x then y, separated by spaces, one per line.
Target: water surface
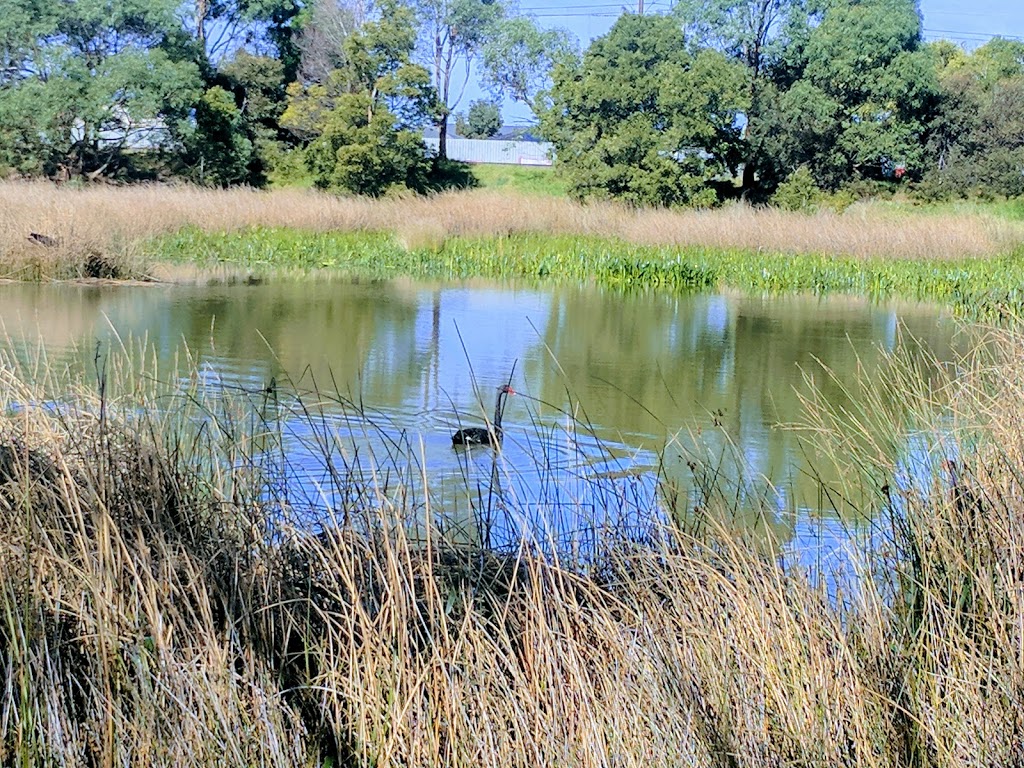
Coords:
pixel 621 387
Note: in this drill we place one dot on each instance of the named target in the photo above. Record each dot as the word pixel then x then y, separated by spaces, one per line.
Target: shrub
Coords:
pixel 837 201
pixel 798 192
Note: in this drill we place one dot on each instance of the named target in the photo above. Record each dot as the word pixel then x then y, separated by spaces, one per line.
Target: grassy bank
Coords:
pixel 162 603
pixel 539 181
pixel 967 260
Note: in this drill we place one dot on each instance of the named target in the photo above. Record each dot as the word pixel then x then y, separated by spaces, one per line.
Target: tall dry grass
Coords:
pixel 160 605
pixel 109 223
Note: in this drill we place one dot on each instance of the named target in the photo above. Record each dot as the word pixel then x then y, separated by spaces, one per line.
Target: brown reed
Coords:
pixel 108 224
pixel 159 608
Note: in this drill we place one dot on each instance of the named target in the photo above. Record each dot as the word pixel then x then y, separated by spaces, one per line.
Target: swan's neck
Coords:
pixel 499 407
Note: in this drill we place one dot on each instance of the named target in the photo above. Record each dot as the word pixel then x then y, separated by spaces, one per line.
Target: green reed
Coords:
pixel 976 288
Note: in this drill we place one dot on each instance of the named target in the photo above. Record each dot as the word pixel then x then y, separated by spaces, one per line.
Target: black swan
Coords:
pixel 483 435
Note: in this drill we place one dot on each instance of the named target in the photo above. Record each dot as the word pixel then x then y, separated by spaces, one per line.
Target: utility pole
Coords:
pixel 639 7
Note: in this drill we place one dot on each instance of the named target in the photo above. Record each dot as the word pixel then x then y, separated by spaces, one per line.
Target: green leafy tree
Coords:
pixel 518 58
pixel 85 82
pixel 861 106
pixel 258 85
pixel 977 137
pixel 457 37
pixel 765 36
pixel 222 27
pixel 452 35
pixel 223 35
pixel 482 121
pixel 363 123
pixel 221 152
pixel 239 112
pixel 641 119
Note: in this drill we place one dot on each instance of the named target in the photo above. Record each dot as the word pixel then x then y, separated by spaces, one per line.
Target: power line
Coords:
pixel 554 10
pixel 613 10
pixel 971 36
pixel 603 15
pixel 571 7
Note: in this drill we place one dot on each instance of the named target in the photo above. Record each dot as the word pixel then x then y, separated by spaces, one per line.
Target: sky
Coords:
pixel 967 23
pixel 970 23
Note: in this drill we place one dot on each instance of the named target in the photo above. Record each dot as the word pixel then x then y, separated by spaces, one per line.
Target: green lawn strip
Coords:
pixel 974 287
pixel 524 179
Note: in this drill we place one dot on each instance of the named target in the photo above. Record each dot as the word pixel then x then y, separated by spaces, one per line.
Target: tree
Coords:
pixel 643 120
pixel 321 39
pixel 234 134
pixel 481 122
pixel 761 34
pixel 977 136
pixel 222 27
pixel 861 105
pixel 220 150
pixel 452 35
pixel 512 53
pixel 85 82
pixel 519 56
pixel 363 122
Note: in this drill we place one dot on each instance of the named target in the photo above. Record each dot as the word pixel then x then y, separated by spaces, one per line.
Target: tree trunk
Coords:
pixel 749 167
pixel 202 10
pixel 442 139
pixel 748 175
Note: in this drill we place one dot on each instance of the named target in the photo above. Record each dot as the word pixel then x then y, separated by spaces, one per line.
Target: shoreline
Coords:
pixel 974 288
pixel 969 260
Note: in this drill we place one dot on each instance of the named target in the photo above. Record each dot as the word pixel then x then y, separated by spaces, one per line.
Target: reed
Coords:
pixel 166 599
pixel 112 225
pixel 977 288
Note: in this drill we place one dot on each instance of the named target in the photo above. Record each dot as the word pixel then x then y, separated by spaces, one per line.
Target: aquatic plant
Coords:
pixel 976 288
pixel 162 603
pixel 116 220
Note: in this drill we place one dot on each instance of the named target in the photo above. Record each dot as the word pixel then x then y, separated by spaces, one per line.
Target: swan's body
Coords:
pixel 485 435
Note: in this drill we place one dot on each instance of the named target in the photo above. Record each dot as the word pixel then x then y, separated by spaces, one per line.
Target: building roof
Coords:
pixel 505 133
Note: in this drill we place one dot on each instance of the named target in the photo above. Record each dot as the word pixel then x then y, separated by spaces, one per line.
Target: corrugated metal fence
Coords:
pixel 492 151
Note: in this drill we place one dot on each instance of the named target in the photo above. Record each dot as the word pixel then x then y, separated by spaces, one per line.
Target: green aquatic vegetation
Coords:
pixel 975 287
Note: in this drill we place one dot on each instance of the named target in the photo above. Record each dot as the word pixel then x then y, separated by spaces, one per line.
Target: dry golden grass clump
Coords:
pixel 863 231
pixel 162 606
pixel 99 229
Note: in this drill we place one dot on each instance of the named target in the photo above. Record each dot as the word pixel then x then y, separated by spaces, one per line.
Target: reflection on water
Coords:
pixel 614 387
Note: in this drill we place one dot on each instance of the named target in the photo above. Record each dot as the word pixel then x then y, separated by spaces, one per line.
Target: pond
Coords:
pixel 613 389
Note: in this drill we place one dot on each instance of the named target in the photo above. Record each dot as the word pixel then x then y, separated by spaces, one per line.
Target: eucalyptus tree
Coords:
pixel 458 37
pixel 452 36
pixel 519 56
pixel 363 122
pixel 222 27
pixel 246 51
pixel 323 29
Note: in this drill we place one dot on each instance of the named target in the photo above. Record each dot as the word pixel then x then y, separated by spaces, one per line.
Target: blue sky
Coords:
pixel 969 24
